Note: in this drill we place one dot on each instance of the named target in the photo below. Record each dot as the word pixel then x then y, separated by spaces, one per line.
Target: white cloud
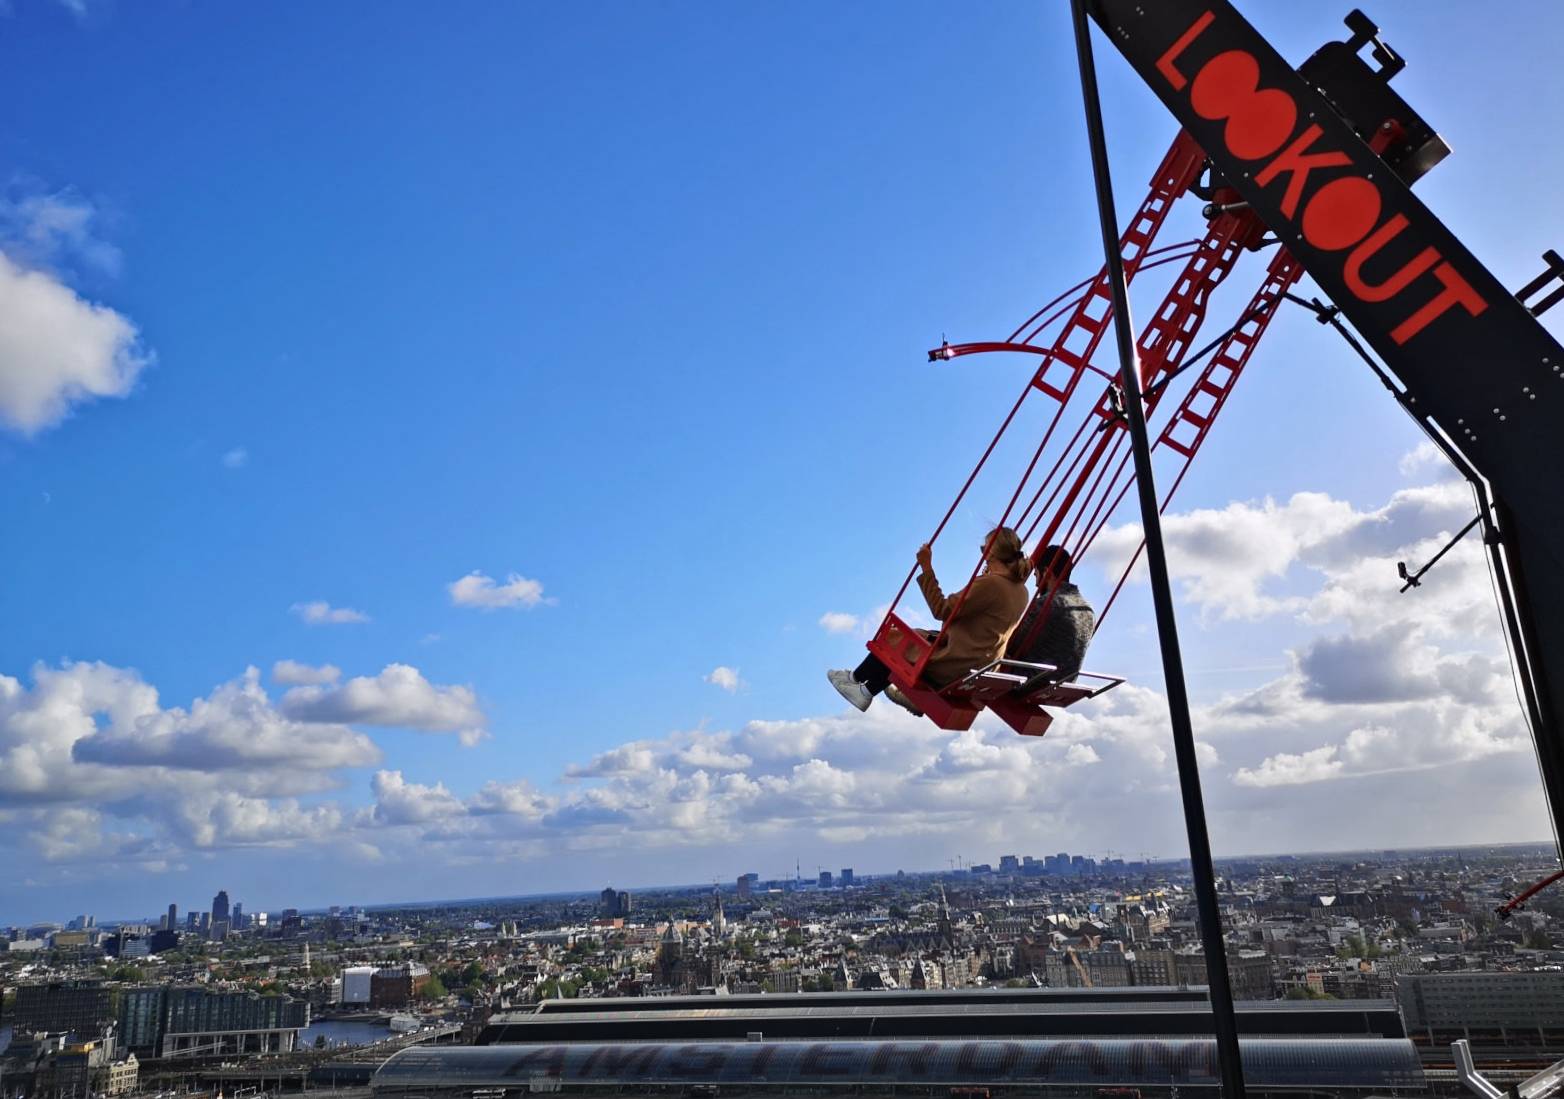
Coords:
pixel 477 589
pixel 725 677
pixel 235 727
pixel 1423 459
pixel 1285 769
pixel 293 673
pixel 398 801
pixel 1385 699
pixel 319 613
pixel 226 818
pixel 52 231
pixel 399 697
pixel 57 350
pixel 839 622
pixel 237 458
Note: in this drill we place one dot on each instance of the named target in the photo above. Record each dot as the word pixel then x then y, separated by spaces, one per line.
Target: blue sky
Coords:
pixel 630 301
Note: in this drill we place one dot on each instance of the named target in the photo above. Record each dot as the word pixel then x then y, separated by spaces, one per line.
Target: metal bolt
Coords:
pixel 1462 421
pixel 1525 389
pixel 1501 419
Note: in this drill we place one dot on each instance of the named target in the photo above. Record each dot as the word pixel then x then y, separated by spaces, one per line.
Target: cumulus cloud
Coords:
pixel 236 726
pixel 226 818
pixel 1285 769
pixel 398 801
pixel 88 741
pixel 839 622
pixel 725 677
pixel 237 458
pixel 1384 699
pixel 321 613
pixel 57 350
pixel 399 697
pixel 293 673
pixel 477 589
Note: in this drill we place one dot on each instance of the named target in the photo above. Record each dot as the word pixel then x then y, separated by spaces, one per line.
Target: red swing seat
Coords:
pixel 1001 686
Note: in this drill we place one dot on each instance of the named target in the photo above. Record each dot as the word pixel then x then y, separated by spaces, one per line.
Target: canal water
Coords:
pixel 345 1033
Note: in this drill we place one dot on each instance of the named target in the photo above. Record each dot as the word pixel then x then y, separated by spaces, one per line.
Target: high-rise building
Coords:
pixel 608 902
pixel 847 876
pixel 237 923
pixel 189 1021
pixel 173 918
pixel 1009 864
pixel 825 879
pixel 624 902
pixel 743 885
pixel 77 1007
pixel 220 905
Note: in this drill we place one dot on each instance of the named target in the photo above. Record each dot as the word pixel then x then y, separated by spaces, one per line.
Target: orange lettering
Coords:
pixel 1457 291
pixel 1258 120
pixel 1341 213
pixel 1165 62
pixel 1352 274
pixel 1293 159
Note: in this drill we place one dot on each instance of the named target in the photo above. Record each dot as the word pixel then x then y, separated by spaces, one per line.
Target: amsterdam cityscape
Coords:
pixel 709 550
pixel 1405 942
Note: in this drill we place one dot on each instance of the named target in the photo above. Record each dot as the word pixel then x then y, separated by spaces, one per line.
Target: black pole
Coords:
pixel 1221 992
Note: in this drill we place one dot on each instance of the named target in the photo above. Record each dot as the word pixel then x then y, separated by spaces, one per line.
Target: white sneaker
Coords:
pixel 849 688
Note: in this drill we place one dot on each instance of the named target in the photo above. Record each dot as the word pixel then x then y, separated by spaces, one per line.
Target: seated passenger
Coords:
pixel 973 636
pixel 1061 637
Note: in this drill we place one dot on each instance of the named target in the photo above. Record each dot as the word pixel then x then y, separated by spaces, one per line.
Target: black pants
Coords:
pixel 873 674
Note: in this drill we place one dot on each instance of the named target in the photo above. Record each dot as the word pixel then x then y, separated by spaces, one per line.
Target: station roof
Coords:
pixel 1342 1063
pixel 826 1015
pixel 1137 994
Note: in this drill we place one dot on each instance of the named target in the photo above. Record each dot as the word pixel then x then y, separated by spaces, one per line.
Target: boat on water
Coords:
pixel 404 1023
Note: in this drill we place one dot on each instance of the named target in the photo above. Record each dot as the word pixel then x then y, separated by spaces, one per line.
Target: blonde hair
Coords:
pixel 1003 545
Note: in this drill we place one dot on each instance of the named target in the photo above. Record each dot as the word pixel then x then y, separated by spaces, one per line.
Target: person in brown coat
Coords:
pixel 978 622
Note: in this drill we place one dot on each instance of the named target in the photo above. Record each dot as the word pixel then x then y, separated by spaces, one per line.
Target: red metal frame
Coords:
pixel 1073 346
pixel 1214 385
pixel 1089 478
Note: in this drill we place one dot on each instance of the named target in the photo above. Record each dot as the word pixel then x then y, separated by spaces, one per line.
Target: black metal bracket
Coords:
pixel 1415 580
pixel 1555 270
pixel 1365 31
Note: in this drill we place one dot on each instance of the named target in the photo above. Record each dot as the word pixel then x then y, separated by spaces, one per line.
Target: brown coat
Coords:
pixel 978 634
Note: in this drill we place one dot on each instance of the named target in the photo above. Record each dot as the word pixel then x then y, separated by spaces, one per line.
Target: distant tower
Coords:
pixel 719 923
pixel 306 957
pixel 670 956
pixel 220 905
pixel 946 926
pixel 173 917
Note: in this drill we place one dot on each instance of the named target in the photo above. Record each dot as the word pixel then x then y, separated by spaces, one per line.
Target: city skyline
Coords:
pixel 862 878
pixel 491 528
